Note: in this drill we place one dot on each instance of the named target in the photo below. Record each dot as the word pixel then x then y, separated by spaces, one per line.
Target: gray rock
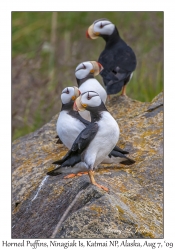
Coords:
pixel 53 207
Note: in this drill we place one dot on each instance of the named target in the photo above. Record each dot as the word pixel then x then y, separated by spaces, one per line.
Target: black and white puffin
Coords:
pixel 85 74
pixel 69 123
pixel 94 143
pixel 117 58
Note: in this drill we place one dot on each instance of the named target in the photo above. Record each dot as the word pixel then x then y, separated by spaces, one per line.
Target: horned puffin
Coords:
pixel 69 123
pixel 85 74
pixel 117 58
pixel 94 143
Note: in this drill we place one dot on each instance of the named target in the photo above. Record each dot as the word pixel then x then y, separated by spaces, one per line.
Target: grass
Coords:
pixel 47 47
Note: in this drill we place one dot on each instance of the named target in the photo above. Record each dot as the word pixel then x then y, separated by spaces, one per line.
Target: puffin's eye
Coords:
pixel 84 67
pixel 67 91
pixel 89 97
pixel 101 25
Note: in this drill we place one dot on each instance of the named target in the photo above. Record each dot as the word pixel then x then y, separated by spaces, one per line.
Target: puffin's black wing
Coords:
pixel 115 79
pixel 84 138
pixel 80 144
pixel 119 61
pixel 73 156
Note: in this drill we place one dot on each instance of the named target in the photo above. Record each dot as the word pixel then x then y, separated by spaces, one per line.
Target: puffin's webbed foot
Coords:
pixel 101 186
pixel 81 173
pixel 91 176
pixel 74 175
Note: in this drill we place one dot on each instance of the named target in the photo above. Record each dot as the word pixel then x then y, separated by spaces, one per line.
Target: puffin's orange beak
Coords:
pixel 75 108
pixel 78 106
pixel 87 34
pixel 100 66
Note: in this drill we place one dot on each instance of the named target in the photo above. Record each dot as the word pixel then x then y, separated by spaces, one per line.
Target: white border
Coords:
pixel 5 92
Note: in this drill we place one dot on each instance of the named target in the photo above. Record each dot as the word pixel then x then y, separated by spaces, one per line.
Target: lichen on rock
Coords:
pixel 132 209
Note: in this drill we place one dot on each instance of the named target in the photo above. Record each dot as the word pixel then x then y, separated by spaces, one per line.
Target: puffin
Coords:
pixel 118 59
pixel 94 143
pixel 69 123
pixel 85 74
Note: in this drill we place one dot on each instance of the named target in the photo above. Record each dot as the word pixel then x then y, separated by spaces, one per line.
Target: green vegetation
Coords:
pixel 47 47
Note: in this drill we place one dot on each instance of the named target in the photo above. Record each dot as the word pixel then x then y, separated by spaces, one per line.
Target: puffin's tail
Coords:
pixel 113 87
pixel 116 148
pixel 67 162
pixel 127 161
pixel 124 159
pixel 54 172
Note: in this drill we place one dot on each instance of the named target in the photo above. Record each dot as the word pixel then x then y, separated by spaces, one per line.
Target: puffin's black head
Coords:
pixel 101 27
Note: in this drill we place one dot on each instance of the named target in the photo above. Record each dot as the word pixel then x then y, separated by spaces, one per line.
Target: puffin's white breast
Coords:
pixel 68 128
pixel 104 141
pixel 92 85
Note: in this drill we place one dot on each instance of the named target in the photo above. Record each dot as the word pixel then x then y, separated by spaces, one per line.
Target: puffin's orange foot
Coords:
pixel 102 187
pixel 69 176
pixel 73 175
pixel 81 173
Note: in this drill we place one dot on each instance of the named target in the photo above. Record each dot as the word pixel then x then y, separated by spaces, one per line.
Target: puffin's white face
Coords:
pixel 69 93
pixel 100 27
pixel 86 68
pixel 87 99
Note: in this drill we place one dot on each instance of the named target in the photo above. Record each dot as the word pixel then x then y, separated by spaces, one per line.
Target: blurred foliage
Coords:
pixel 47 47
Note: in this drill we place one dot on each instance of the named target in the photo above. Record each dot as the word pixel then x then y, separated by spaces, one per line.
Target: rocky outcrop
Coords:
pixel 52 207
